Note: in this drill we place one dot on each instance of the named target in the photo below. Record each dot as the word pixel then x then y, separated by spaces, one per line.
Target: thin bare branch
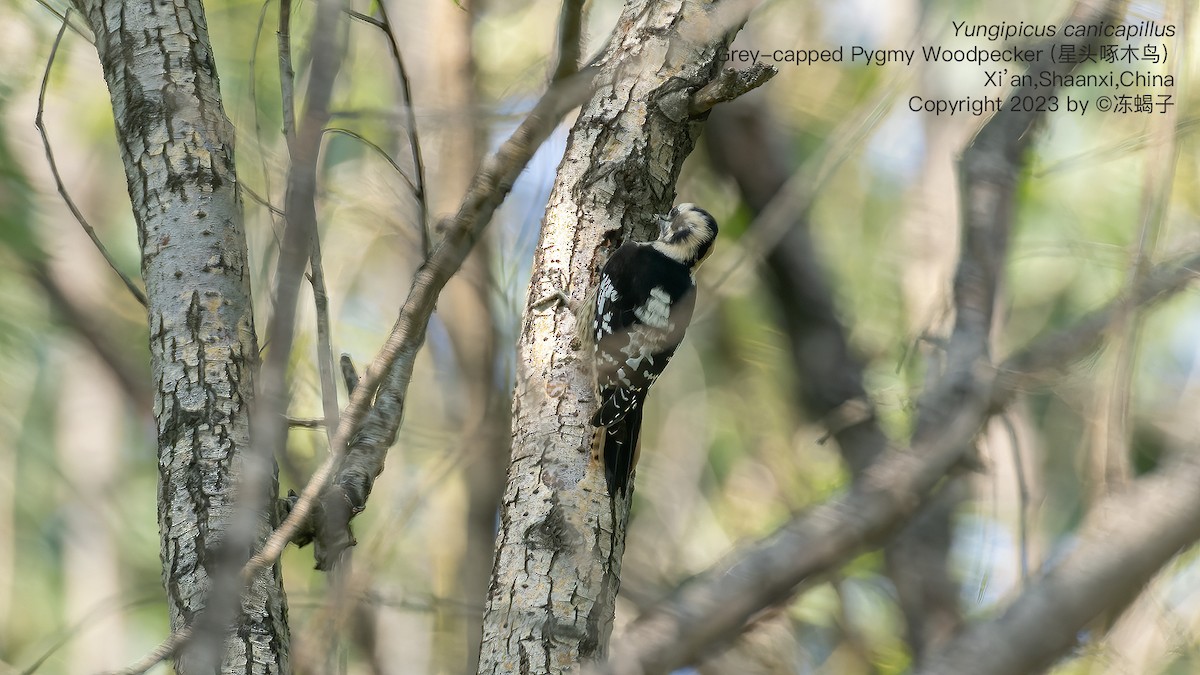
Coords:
pixel 378 150
pixel 65 18
pixel 275 210
pixel 165 650
pixel 418 183
pixel 287 75
pixel 58 181
pixel 329 398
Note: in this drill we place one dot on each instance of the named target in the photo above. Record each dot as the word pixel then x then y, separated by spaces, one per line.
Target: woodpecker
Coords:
pixel 633 321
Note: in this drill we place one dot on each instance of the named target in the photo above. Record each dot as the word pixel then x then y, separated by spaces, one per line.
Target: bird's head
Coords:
pixel 686 234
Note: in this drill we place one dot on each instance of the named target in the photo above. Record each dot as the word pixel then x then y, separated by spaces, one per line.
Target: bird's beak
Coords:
pixel 664 224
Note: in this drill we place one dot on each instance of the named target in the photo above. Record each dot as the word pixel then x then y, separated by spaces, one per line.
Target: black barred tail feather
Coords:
pixel 615 404
pixel 620 451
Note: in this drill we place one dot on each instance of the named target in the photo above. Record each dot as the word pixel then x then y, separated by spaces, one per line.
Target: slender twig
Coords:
pixel 329 399
pixel 162 652
pixel 305 423
pixel 253 92
pixel 275 210
pixel 97 613
pixel 58 181
pixel 64 17
pixel 378 150
pixel 287 76
pixel 1014 442
pixel 410 125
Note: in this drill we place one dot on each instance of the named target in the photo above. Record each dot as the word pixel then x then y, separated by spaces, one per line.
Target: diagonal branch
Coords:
pixel 559 549
pixel 1131 535
pixel 390 372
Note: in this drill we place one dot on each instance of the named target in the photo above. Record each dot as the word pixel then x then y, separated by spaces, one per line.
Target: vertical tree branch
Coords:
pixel 269 419
pixel 828 375
pixel 287 75
pixel 177 147
pixel 325 370
pixel 443 80
pixel 989 174
pixel 570 39
pixel 558 558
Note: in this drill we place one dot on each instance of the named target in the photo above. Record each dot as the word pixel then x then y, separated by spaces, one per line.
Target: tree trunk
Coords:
pixel 558 560
pixel 177 147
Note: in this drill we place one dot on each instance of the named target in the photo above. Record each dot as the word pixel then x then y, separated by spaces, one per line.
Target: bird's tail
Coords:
pixel 620 451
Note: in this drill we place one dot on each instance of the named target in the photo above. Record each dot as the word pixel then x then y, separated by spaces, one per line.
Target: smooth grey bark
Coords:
pixel 177 147
pixel 558 558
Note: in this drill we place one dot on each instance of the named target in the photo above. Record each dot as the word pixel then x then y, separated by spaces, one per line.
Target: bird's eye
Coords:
pixel 674 212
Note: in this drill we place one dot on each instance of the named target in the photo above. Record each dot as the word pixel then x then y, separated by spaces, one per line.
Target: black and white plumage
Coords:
pixel 633 322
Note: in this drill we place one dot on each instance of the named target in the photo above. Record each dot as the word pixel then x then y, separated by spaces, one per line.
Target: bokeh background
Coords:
pixel 728 453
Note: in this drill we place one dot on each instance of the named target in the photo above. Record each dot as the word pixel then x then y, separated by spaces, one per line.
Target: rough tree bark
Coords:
pixel 177 147
pixel 554 584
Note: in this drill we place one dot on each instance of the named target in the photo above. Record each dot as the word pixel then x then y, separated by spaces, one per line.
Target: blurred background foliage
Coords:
pixel 727 454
